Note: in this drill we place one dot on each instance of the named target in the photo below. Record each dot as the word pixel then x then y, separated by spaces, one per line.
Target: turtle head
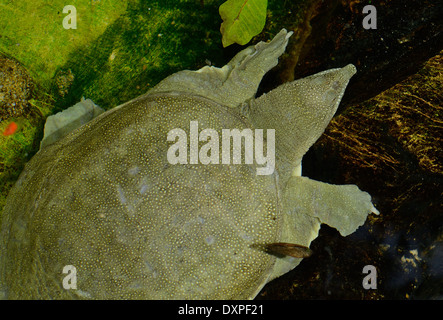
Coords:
pixel 299 111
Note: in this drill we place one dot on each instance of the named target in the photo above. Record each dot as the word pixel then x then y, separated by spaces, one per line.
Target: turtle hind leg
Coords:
pixel 62 123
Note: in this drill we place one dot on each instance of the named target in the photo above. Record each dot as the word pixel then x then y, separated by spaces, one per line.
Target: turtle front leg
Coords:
pixel 308 203
pixel 344 207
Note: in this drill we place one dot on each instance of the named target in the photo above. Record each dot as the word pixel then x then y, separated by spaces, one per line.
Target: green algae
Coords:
pixel 149 42
pixel 32 31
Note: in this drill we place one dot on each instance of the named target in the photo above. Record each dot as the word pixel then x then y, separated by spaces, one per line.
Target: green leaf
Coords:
pixel 242 19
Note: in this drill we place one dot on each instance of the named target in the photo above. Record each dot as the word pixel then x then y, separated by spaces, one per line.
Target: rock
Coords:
pixel 15 88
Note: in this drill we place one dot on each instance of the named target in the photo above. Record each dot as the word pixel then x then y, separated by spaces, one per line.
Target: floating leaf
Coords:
pixel 242 19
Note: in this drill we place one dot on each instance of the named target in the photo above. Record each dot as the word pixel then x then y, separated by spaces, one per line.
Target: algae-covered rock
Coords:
pixel 15 88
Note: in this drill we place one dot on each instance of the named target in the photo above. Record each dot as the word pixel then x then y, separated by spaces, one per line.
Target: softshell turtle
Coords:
pixel 102 213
